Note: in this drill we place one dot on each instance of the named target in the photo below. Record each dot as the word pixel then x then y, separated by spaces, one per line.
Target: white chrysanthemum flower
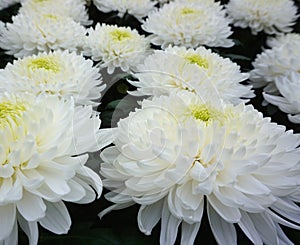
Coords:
pixel 137 8
pixel 7 3
pixel 44 141
pixel 285 39
pixel 116 46
pixel 277 61
pixel 74 9
pixel 31 34
pixel 189 24
pixel 60 72
pixel 178 68
pixel 272 17
pixel 178 158
pixel 289 89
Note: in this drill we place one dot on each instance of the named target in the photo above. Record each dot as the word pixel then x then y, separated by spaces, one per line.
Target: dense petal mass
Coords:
pixel 272 17
pixel 116 47
pixel 60 72
pixel 42 164
pixel 74 9
pixel 137 8
pixel 279 60
pixel 197 70
pixel 288 100
pixel 30 34
pixel 177 153
pixel 189 24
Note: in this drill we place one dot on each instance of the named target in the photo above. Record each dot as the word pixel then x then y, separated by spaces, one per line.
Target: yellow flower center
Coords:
pixel 186 11
pixel 201 113
pixel 50 16
pixel 10 111
pixel 120 35
pixel 198 60
pixel 46 63
pixel 206 114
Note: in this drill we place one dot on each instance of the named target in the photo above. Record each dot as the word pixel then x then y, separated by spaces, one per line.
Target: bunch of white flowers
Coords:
pixel 185 144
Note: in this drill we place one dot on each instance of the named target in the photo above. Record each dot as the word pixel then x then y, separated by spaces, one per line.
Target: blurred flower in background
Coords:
pixel 272 17
pixel 136 8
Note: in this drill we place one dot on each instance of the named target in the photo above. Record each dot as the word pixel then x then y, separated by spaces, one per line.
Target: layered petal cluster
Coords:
pixel 116 46
pixel 74 9
pixel 136 8
pixel 189 24
pixel 288 100
pixel 44 141
pixel 272 17
pixel 34 33
pixel 279 60
pixel 7 3
pixel 180 157
pixel 197 70
pixel 59 72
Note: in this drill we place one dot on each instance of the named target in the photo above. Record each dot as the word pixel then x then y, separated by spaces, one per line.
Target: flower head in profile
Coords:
pixel 74 9
pixel 43 151
pixel 288 100
pixel 279 60
pixel 195 70
pixel 34 33
pixel 178 157
pixel 272 17
pixel 189 24
pixel 116 47
pixel 136 8
pixel 59 72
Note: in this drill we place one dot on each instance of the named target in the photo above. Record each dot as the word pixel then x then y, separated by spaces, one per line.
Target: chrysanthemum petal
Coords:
pixel 189 233
pixel 229 214
pixel 249 229
pixel 31 207
pixel 169 226
pixel 224 232
pixel 30 229
pixel 8 217
pixel 265 227
pixel 58 221
pixel 148 216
